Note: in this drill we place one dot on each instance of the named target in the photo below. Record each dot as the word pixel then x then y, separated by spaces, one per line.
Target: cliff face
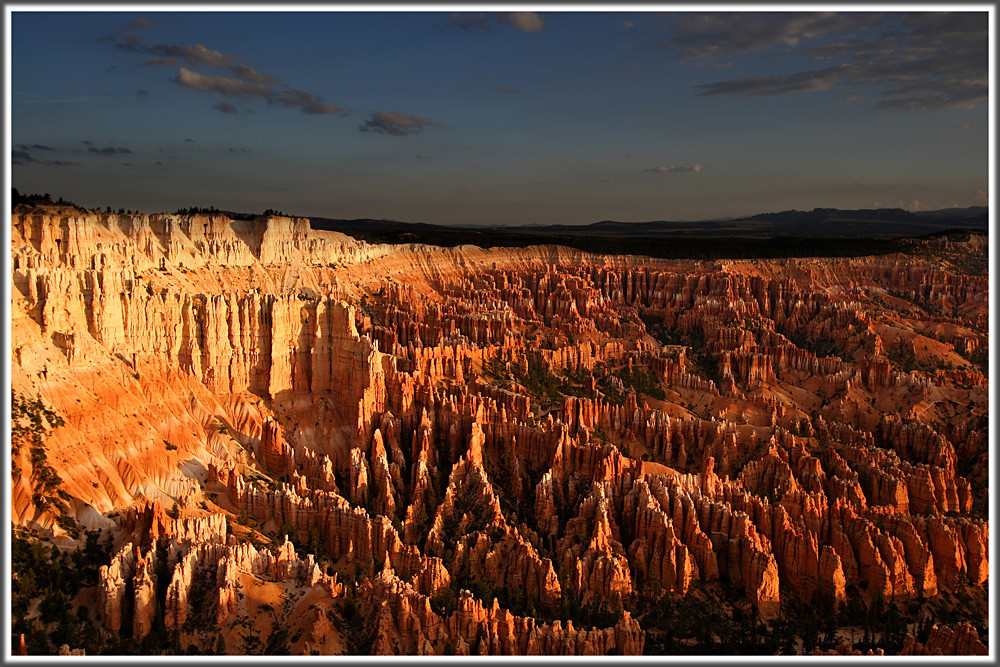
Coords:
pixel 491 451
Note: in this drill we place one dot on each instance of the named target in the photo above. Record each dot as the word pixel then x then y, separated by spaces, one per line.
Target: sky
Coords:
pixel 501 117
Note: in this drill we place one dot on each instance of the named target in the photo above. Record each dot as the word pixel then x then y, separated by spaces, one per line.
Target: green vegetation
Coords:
pixel 642 381
pixel 539 381
pixel 499 477
pixel 468 502
pixel 592 614
pixel 918 301
pixel 202 598
pixel 958 258
pixel 496 370
pixel 817 345
pixel 981 360
pixel 639 380
pixel 903 358
pixel 31 422
pixel 47 580
pixel 17 198
pixel 41 572
pixel 575 383
pixel 970 264
pixel 445 602
pixel 359 632
pixel 198 210
pixel 702 362
pixel 706 624
pixel 715 620
pixel 373 306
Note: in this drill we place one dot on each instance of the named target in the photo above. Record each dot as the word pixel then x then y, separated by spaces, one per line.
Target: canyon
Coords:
pixel 296 442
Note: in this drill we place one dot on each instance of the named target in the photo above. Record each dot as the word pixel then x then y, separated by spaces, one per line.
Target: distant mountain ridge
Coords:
pixel 974 214
pixel 816 233
pixel 883 214
pixel 883 223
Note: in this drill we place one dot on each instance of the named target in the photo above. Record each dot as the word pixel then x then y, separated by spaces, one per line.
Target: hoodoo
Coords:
pixel 260 438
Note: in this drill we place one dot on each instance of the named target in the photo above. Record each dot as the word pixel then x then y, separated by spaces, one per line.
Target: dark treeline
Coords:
pixel 667 248
pixel 233 215
pixel 18 198
pixel 36 199
pixel 199 210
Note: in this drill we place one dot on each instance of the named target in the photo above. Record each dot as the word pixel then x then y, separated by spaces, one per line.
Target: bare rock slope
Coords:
pixel 530 451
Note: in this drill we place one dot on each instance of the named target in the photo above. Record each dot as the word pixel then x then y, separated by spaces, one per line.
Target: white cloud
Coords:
pixel 244 82
pixel 524 21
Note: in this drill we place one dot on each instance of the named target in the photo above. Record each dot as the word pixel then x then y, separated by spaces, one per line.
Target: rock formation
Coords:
pixel 496 452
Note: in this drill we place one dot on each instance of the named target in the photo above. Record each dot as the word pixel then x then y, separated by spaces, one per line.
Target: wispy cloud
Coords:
pixel 703 37
pixel 523 21
pixel 487 22
pixel 675 170
pixel 108 151
pixel 80 99
pixel 396 123
pixel 20 156
pixel 915 61
pixel 224 85
pixel 849 98
pixel 246 89
pixel 33 147
pixel 191 55
pixel 307 102
pixel 129 35
pixel 776 84
pixel 238 81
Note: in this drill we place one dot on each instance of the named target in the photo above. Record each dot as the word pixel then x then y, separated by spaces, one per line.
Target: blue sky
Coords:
pixel 501 117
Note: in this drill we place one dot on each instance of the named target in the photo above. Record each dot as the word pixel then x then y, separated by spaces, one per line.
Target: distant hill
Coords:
pixel 885 223
pixel 879 223
pixel 819 232
pixel 816 233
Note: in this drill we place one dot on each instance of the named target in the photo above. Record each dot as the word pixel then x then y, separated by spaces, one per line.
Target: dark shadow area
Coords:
pixel 817 233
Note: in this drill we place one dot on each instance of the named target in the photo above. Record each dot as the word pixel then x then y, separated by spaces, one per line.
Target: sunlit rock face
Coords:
pixel 492 452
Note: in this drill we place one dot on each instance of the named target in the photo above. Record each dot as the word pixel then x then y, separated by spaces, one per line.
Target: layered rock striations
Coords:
pixel 496 452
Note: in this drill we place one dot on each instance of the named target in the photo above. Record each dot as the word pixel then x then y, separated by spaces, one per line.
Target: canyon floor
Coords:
pixel 253 437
